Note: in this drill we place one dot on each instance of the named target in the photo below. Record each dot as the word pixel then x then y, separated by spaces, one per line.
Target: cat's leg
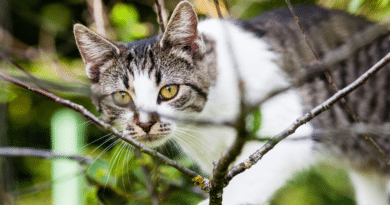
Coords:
pixel 370 188
pixel 257 184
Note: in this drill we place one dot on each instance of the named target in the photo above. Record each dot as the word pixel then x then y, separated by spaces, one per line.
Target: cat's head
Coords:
pixel 136 86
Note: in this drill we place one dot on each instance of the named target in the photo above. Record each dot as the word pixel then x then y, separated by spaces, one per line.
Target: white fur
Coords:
pixel 145 95
pixel 261 76
pixel 370 188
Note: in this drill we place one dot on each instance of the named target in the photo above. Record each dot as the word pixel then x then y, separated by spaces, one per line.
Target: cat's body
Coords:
pixel 189 72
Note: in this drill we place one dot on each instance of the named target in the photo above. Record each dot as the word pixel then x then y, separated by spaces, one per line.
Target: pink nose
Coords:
pixel 145 126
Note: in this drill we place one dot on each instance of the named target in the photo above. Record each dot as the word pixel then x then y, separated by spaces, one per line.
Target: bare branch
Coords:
pixel 98 16
pixel 356 42
pixel 36 81
pixel 255 157
pixel 216 2
pixel 362 128
pixel 160 17
pixel 230 155
pixel 335 89
pixel 97 121
pixel 270 95
pixel 300 26
pixel 149 183
pixel 41 153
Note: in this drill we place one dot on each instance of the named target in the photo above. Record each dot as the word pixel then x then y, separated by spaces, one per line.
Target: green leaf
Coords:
pixel 123 15
pixel 254 122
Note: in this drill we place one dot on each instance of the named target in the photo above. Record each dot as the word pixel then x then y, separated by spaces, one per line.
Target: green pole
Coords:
pixel 66 135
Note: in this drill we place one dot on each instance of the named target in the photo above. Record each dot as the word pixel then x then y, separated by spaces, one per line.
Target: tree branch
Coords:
pixel 255 157
pixel 216 2
pixel 230 155
pixel 301 27
pixel 97 121
pixel 97 8
pixel 41 153
pixel 335 89
pixel 356 42
pixel 160 18
pixel 40 83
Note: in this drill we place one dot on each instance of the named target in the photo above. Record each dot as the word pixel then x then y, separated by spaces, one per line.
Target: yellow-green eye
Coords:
pixel 121 98
pixel 169 92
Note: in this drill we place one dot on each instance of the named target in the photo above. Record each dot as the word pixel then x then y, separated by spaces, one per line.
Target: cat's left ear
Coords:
pixel 94 49
pixel 182 30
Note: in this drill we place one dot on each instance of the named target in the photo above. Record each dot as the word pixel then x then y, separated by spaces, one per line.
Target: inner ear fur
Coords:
pixel 182 30
pixel 94 49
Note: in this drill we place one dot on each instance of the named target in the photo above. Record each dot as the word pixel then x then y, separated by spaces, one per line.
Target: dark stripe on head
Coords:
pixel 95 72
pixel 195 108
pixel 98 99
pixel 126 80
pixel 144 64
pixel 198 90
pixel 151 57
pixel 130 58
pixel 158 77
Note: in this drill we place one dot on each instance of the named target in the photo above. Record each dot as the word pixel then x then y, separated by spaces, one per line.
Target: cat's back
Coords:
pixel 339 38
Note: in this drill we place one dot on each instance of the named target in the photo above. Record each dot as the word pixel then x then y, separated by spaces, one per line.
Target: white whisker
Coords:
pixel 116 154
pixel 112 137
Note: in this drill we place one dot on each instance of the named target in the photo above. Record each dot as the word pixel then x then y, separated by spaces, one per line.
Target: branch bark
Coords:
pixel 41 153
pixel 79 108
pixel 229 156
pixel 160 14
pixel 334 87
pixel 98 17
pixel 255 157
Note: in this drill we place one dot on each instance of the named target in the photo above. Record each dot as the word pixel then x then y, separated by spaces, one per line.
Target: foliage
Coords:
pixel 119 173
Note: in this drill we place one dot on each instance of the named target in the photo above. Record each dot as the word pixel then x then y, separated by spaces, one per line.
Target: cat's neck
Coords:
pixel 250 56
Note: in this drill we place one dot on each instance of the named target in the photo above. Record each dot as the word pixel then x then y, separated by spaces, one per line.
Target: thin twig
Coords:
pixel 160 18
pixel 356 42
pixel 41 153
pixel 343 102
pixel 97 121
pixel 230 155
pixel 301 27
pixel 216 2
pixel 255 157
pixel 82 90
pixel 269 95
pixel 98 17
pixel 149 183
pixel 40 83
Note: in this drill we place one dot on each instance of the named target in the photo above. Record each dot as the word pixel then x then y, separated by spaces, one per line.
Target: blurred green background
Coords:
pixel 38 35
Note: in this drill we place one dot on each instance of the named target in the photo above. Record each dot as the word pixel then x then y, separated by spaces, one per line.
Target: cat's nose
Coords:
pixel 146 126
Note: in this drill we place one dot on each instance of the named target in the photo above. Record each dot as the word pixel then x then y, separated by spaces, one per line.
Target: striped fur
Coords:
pixel 328 31
pixel 271 53
pixel 142 68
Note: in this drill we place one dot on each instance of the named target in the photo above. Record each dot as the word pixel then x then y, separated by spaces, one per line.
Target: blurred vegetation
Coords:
pixel 38 34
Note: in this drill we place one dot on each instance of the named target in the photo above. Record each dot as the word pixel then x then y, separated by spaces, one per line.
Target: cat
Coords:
pixel 188 73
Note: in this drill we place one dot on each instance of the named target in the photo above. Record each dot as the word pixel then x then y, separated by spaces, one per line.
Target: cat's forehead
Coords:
pixel 145 58
pixel 139 47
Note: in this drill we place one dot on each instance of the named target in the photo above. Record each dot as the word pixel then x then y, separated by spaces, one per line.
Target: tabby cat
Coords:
pixel 188 73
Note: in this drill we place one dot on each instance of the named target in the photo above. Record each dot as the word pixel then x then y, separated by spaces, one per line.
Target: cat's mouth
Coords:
pixel 151 140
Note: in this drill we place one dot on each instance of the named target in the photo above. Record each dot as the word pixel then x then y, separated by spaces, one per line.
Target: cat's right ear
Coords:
pixel 182 30
pixel 94 49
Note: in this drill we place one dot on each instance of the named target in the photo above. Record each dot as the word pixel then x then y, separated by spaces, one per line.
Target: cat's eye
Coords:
pixel 169 92
pixel 121 98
